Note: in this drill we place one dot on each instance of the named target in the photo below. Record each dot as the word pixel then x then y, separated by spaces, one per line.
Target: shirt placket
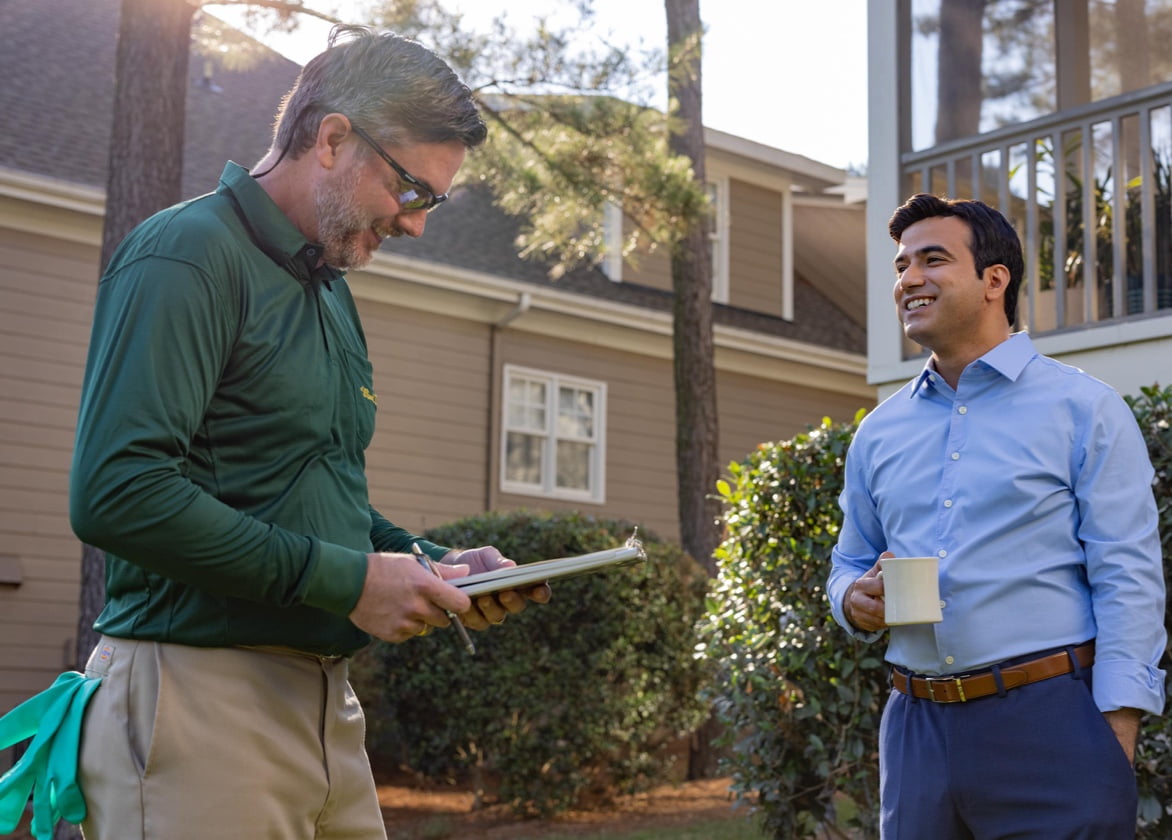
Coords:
pixel 951 482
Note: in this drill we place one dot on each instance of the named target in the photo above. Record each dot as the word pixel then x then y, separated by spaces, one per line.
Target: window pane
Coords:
pixel 1162 176
pixel 526 404
pixel 575 413
pixel 1127 45
pixel 978 66
pixel 523 458
pixel 574 465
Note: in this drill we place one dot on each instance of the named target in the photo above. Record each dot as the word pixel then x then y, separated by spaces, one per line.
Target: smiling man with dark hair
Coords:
pixel 1017 715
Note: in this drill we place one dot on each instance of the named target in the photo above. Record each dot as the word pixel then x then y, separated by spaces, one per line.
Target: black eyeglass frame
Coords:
pixel 430 200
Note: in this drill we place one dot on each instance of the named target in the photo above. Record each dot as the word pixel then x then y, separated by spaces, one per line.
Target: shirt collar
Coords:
pixel 1009 358
pixel 271 229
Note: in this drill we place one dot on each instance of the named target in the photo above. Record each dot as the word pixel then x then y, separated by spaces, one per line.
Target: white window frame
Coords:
pixel 547 486
pixel 718 238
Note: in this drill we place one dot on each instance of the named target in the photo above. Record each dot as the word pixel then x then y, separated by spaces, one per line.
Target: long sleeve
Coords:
pixel 162 339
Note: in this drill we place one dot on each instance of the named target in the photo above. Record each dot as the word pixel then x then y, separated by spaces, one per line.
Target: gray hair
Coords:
pixel 393 87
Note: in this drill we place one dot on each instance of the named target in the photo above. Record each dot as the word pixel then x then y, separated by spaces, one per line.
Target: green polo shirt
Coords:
pixel 225 412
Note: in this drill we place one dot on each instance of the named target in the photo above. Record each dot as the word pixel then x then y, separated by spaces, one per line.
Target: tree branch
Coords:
pixel 277 5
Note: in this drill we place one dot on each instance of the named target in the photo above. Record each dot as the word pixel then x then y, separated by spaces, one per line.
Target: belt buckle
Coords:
pixel 957 681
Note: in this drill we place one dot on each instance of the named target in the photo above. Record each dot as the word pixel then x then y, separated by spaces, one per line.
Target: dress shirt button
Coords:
pixel 942 554
pixel 956 456
pixel 964 409
pixel 948 660
pixel 943 604
pixel 948 503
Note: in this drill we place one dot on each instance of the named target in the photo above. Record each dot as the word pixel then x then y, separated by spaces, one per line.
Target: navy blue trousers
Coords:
pixel 1038 762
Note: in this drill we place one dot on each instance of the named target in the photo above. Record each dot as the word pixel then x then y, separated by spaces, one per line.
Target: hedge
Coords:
pixel 565 701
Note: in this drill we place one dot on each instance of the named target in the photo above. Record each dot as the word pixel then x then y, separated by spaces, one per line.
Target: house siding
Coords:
pixel 429 457
pixel 755 226
pixel 46 297
pixel 753 411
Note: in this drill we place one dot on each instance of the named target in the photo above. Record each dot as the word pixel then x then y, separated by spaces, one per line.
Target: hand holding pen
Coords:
pixel 429 564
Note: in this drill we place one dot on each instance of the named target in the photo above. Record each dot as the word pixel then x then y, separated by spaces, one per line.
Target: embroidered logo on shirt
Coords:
pixel 370 395
pixel 105 652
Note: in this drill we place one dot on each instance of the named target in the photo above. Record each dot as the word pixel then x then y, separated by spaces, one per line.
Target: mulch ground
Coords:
pixel 428 814
pixel 414 814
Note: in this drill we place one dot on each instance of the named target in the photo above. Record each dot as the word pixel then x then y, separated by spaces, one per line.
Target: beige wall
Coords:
pixel 754 411
pixel 428 460
pixel 754 266
pixel 46 295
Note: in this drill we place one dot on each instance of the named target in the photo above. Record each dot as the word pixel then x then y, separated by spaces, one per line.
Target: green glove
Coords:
pixel 48 769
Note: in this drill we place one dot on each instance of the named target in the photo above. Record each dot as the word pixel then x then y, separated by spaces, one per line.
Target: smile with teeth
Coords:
pixel 918 303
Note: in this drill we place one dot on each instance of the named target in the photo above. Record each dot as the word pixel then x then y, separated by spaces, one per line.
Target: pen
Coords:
pixel 427 563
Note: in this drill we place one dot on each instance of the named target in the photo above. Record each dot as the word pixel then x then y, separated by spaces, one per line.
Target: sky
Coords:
pixel 787 73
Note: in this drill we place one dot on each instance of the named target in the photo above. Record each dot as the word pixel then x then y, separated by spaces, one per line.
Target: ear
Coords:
pixel 333 129
pixel 996 279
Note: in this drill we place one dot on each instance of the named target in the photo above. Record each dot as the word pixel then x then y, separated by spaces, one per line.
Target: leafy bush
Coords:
pixel 799 699
pixel 567 699
pixel 1153 760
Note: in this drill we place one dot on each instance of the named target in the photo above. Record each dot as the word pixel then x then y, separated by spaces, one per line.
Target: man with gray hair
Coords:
pixel 219 463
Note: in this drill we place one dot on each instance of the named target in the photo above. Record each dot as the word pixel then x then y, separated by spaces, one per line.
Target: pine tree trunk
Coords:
pixel 695 373
pixel 144 176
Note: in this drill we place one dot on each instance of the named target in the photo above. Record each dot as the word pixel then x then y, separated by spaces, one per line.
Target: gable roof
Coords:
pixel 57 101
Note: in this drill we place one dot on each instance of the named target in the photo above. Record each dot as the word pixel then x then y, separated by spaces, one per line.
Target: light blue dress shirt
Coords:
pixel 1031 483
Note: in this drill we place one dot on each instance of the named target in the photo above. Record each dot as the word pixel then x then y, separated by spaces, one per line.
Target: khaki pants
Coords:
pixel 187 743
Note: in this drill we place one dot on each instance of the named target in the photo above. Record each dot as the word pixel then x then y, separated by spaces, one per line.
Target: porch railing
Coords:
pixel 1090 193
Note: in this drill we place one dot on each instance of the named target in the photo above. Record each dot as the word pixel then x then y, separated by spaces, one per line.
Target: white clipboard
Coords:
pixel 531 574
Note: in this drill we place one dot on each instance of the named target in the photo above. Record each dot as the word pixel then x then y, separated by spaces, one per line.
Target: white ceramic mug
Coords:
pixel 911 590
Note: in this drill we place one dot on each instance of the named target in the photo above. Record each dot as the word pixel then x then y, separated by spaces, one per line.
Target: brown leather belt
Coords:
pixel 964 687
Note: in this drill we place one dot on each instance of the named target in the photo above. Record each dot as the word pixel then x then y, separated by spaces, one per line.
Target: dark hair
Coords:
pixel 992 239
pixel 393 87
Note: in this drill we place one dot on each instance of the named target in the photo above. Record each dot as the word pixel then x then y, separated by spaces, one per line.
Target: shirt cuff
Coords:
pixel 838 610
pixel 435 552
pixel 336 578
pixel 1123 684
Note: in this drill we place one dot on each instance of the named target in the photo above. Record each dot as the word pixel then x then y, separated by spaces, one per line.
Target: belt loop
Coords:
pixel 1075 667
pixel 1001 690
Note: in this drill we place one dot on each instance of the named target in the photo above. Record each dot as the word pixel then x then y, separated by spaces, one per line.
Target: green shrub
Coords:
pixel 572 698
pixel 799 699
pixel 1153 760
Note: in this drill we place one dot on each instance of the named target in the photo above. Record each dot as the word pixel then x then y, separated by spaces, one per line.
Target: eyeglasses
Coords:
pixel 416 195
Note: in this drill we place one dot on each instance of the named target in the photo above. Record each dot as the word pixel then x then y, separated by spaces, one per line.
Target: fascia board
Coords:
pixel 50 207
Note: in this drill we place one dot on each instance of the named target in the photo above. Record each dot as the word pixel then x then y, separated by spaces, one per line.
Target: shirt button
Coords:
pixel 956 456
pixel 942 554
pixel 964 409
pixel 948 660
pixel 943 604
pixel 948 503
